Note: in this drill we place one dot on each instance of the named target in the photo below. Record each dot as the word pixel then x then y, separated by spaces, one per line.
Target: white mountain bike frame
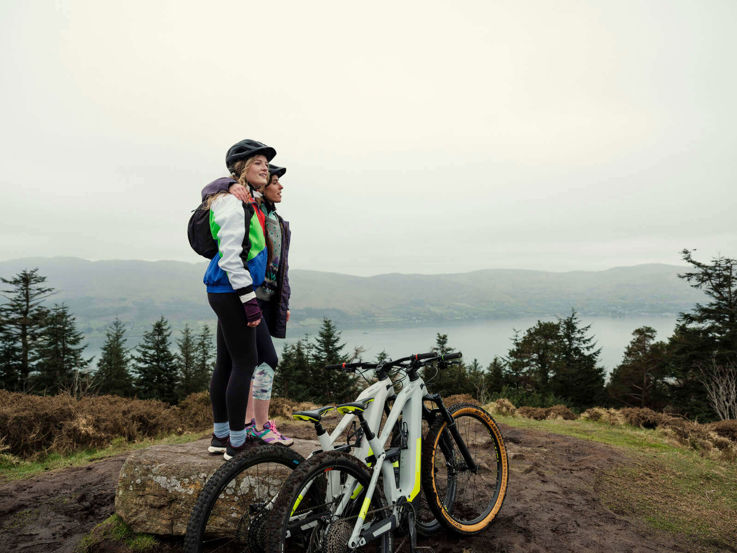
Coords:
pixel 369 408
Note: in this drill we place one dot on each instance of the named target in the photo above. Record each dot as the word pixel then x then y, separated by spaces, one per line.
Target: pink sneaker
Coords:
pixel 270 435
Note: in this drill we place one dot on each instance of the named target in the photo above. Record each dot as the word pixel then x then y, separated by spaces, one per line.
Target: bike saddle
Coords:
pixel 354 406
pixel 313 415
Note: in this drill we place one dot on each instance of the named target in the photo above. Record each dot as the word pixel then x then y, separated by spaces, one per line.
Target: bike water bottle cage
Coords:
pixel 354 407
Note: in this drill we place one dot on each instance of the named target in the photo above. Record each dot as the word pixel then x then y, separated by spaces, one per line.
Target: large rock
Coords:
pixel 158 486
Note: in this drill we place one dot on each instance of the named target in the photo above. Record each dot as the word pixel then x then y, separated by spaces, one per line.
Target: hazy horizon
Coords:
pixel 203 261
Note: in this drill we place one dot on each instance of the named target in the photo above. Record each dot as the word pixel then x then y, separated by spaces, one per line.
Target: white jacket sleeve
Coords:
pixel 228 222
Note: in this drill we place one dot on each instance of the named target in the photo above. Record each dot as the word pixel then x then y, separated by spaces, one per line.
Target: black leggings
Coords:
pixel 264 343
pixel 236 358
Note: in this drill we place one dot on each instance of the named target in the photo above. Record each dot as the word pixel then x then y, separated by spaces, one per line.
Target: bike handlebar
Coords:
pixel 352 366
pixel 415 358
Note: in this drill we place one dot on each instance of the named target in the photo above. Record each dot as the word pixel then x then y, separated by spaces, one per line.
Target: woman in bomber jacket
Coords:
pixel 273 299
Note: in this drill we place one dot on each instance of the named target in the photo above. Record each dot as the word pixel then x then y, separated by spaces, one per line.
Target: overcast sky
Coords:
pixel 419 136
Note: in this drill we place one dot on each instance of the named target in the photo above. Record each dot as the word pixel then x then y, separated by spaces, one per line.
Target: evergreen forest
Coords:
pixel 693 373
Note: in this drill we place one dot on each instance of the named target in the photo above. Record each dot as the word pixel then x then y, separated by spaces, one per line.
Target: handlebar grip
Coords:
pixel 450 356
pixel 421 356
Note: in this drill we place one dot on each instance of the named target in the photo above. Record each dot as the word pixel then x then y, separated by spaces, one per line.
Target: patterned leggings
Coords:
pixel 263 374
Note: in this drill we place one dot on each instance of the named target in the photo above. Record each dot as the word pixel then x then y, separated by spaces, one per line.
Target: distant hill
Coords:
pixel 140 291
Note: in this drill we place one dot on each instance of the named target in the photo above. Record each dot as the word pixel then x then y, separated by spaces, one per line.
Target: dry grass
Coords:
pixel 502 407
pixel 34 426
pixel 547 413
pixel 460 398
pixel 717 440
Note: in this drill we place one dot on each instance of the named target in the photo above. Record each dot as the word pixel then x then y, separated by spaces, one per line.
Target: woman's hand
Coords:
pixel 240 192
pixel 288 313
pixel 253 312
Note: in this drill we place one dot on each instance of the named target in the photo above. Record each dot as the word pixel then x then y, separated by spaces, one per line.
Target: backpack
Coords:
pixel 199 234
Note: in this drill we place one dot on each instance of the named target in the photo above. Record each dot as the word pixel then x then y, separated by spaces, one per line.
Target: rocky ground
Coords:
pixel 552 505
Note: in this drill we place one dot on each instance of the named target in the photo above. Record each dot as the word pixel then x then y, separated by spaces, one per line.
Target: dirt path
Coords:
pixel 551 505
pixel 52 511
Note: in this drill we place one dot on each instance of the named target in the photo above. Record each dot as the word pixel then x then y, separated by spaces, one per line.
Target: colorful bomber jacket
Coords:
pixel 238 229
pixel 279 305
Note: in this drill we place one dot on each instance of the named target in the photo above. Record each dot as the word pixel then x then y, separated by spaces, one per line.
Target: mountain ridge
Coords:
pixel 139 292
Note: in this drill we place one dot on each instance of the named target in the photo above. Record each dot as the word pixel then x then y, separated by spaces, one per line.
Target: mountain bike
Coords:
pixel 337 503
pixel 230 510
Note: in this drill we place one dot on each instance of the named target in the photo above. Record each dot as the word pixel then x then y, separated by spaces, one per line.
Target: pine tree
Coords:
pixel 718 318
pixel 10 360
pixel 23 318
pixel 294 377
pixel 478 381
pixel 577 378
pixel 155 365
pixel 113 375
pixel 705 339
pixel 334 385
pixel 639 380
pixel 446 379
pixel 186 359
pixel 495 376
pixel 535 357
pixel 60 363
pixel 203 360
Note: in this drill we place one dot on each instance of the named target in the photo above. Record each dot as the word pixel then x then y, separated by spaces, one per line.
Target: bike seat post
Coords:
pixel 364 425
pixel 319 430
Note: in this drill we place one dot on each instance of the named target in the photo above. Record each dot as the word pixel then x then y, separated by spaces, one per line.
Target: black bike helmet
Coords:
pixel 245 149
pixel 278 171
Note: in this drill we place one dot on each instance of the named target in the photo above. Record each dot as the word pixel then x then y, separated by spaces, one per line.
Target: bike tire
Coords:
pixel 476 498
pixel 268 464
pixel 330 533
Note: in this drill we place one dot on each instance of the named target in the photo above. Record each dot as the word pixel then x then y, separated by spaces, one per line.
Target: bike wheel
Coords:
pixel 306 516
pixel 231 509
pixel 462 500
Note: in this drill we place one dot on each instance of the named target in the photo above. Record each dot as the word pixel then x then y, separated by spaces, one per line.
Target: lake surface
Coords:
pixel 483 340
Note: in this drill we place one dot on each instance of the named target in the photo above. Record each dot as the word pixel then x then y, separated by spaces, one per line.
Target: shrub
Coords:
pixel 642 417
pixel 196 411
pixel 726 429
pixel 502 407
pixel 460 398
pixel 520 396
pixel 547 413
pixel 283 407
pixel 33 426
pixel 595 414
pixel 537 413
pixel 560 412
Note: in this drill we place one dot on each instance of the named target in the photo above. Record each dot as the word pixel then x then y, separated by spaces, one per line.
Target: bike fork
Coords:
pixel 453 429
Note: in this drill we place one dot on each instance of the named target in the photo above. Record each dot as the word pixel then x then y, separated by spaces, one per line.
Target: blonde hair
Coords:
pixel 240 168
